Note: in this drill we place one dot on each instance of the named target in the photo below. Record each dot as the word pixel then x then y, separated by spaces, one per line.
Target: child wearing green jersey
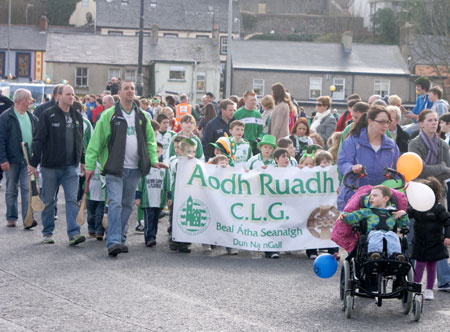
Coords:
pixel 187 123
pixel 95 205
pixel 243 149
pixel 151 196
pixel 164 135
pixel 263 159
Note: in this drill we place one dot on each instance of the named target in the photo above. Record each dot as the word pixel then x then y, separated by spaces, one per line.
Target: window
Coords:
pixel 201 81
pixel 153 3
pixel 381 87
pixel 339 93
pixel 125 2
pixel 223 45
pixel 130 75
pixel 258 86
pixel 113 72
pixel 144 33
pixel 315 87
pixel 171 35
pixel 2 64
pixel 177 73
pixel 23 64
pixel 261 8
pixel 81 77
pixel 115 33
pixel 202 37
pixel 85 3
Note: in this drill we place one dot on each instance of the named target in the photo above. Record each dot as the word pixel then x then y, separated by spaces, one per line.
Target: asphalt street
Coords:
pixel 61 288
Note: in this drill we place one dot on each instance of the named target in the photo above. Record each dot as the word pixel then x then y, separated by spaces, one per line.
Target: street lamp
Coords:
pixel 230 26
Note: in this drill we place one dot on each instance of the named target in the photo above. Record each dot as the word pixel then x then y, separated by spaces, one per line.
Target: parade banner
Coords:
pixel 276 209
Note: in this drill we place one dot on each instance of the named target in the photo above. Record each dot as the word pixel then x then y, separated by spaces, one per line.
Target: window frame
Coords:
pixel 111 76
pixel 127 77
pixel 115 33
pixel 380 82
pixel 197 81
pixel 177 69
pixel 310 88
pixel 343 88
pixel 223 44
pixel 81 76
pixel 255 86
pixel 27 54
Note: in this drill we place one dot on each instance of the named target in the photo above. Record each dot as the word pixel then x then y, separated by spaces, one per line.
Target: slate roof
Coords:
pixel 430 50
pixel 185 15
pixel 23 38
pixel 317 57
pixel 123 50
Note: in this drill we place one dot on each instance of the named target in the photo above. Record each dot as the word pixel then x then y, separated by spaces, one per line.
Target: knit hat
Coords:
pixel 226 146
pixel 268 140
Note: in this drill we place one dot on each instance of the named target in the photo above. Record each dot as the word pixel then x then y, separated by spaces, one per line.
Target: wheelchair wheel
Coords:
pixel 348 306
pixel 344 283
pixel 417 308
pixel 407 298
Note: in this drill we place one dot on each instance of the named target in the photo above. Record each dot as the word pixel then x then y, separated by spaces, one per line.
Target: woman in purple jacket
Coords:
pixel 367 146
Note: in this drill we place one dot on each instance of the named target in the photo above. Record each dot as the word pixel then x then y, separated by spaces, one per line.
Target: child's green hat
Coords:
pixel 268 140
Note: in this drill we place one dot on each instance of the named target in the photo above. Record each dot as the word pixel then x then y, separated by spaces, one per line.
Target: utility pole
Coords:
pixel 9 37
pixel 140 75
pixel 228 65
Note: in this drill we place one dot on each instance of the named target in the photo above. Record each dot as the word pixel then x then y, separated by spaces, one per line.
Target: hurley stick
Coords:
pixel 80 216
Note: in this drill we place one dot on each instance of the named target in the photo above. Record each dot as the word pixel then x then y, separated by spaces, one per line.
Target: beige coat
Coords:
pixel 279 121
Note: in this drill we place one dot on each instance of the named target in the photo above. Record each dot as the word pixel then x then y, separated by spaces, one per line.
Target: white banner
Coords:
pixel 277 209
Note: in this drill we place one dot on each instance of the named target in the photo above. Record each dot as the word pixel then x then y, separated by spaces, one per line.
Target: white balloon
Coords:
pixel 420 196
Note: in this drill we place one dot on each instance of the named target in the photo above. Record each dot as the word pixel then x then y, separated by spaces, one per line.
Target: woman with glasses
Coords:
pixel 367 146
pixel 324 122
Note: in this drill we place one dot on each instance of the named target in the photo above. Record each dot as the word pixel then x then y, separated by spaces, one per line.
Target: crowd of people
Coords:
pixel 124 150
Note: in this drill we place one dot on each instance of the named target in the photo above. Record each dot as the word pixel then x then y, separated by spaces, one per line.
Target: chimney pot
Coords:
pixel 347 40
pixel 43 23
pixel 216 34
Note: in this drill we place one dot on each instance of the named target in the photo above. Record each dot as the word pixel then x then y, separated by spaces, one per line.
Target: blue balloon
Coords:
pixel 325 266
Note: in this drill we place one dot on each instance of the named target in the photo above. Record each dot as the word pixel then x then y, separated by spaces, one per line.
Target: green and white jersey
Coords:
pixel 198 148
pixel 154 188
pixel 243 153
pixel 256 162
pixel 97 187
pixel 165 138
pixel 292 162
pixel 253 123
pixel 173 163
pixel 87 132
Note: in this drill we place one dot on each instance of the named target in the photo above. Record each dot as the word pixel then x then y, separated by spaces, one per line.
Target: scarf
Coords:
pixel 318 119
pixel 432 146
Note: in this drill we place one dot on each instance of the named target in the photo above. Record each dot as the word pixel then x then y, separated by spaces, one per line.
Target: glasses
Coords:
pixel 382 122
pixel 320 105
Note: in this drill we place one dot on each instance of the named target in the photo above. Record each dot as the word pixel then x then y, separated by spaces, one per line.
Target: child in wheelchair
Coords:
pixel 382 219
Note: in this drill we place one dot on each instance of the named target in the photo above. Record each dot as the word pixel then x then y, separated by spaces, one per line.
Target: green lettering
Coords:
pixel 262 178
pixel 241 182
pixel 298 187
pixel 198 173
pixel 232 182
pixel 271 215
pixel 232 211
pixel 286 187
pixel 214 182
pixel 325 181
pixel 316 180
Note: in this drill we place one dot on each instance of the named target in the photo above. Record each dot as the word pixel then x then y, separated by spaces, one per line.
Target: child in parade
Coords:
pixel 323 158
pixel 226 147
pixel 187 148
pixel 151 196
pixel 220 160
pixel 173 124
pixel 307 159
pixel 333 145
pixel 243 149
pixel 187 124
pixel 431 236
pixel 382 217
pixel 164 135
pixel 262 160
pixel 95 205
pixel 287 144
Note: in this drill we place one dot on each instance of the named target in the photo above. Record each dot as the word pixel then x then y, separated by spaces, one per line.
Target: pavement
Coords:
pixel 61 288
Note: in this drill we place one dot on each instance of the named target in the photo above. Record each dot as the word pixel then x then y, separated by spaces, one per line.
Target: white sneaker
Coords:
pixel 428 295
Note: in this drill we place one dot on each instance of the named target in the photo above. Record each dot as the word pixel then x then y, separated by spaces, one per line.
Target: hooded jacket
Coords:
pixel 357 150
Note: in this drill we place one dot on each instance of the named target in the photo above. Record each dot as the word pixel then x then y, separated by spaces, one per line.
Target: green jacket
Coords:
pixel 98 148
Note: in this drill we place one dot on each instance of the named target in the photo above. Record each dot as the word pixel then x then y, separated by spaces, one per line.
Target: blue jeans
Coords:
pixel 151 219
pixel 95 210
pixel 443 272
pixel 121 192
pixel 375 242
pixel 52 178
pixel 16 175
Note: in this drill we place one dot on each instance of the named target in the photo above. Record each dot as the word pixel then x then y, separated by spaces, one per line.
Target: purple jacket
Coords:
pixel 357 150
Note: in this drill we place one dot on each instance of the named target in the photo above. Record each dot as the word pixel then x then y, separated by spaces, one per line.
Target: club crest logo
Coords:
pixel 193 216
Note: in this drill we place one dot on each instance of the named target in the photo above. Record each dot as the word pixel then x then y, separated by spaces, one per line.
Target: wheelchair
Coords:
pixel 380 279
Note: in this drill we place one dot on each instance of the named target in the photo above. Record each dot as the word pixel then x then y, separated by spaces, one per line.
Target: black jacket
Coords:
pixel 49 142
pixel 215 129
pixel 5 103
pixel 428 241
pixel 118 141
pixel 402 139
pixel 42 107
pixel 11 137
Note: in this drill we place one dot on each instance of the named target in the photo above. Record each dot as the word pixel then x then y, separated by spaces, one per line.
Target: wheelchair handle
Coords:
pixel 353 187
pixel 389 173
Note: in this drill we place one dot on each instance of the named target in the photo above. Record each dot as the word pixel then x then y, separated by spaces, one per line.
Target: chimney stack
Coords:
pixel 216 35
pixel 155 32
pixel 43 23
pixel 347 40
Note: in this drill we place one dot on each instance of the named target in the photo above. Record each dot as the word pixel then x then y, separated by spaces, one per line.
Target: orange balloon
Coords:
pixel 410 165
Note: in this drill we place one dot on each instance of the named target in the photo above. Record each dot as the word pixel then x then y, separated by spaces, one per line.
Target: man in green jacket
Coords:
pixel 124 143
